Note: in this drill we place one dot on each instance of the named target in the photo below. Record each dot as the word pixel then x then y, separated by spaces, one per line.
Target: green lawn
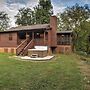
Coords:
pixel 61 73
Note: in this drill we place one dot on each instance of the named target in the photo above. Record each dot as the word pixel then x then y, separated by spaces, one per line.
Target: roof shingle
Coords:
pixel 31 27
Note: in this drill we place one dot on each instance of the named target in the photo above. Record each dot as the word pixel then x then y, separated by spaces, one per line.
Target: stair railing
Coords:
pixel 29 45
pixel 21 47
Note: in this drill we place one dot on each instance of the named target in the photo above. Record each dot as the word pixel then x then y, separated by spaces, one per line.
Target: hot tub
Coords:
pixel 40 51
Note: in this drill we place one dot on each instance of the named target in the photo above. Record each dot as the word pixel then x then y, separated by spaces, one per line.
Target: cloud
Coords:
pixel 16 1
pixel 60 5
pixel 58 9
pixel 87 1
pixel 66 1
pixel 20 1
pixel 11 7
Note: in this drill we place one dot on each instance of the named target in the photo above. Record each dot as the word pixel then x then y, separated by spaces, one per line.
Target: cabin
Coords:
pixel 19 40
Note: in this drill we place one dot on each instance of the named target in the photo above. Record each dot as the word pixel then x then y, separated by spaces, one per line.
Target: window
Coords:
pixel 63 39
pixel 10 36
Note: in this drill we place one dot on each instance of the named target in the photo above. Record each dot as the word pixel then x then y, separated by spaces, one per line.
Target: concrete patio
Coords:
pixel 38 58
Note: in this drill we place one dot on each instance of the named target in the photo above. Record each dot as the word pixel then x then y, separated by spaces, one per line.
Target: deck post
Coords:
pixel 44 38
pixel 32 35
pixel 27 37
pixel 49 38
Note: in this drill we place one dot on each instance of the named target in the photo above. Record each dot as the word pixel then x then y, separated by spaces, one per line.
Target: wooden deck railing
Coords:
pixel 21 47
pixel 39 41
pixel 29 45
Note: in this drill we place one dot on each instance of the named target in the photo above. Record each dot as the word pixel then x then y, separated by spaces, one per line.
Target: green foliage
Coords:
pixel 83 42
pixel 4 21
pixel 75 18
pixel 39 15
pixel 43 11
pixel 25 16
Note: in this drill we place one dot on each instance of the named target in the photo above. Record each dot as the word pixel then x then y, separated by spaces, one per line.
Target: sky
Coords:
pixel 11 6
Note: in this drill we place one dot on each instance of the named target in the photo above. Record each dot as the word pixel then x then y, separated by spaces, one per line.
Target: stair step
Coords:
pixel 24 50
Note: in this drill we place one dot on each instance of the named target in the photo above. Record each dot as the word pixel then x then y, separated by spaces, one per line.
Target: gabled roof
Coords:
pixel 29 27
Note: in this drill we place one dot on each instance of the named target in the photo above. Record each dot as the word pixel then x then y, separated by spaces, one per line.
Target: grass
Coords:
pixel 61 73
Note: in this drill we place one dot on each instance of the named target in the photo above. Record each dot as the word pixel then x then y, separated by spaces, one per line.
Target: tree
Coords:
pixel 73 16
pixel 4 21
pixel 25 16
pixel 43 11
pixel 72 19
pixel 40 15
pixel 83 38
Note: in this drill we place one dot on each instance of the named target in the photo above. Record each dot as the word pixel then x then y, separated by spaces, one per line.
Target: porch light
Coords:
pixel 62 35
pixel 37 33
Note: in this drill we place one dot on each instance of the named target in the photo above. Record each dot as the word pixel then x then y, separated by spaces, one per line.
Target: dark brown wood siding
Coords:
pixel 65 49
pixel 8 39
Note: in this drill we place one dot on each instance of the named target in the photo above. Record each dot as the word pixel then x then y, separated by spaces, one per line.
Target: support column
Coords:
pixel 49 43
pixel 70 40
pixel 27 37
pixel 49 38
pixel 33 38
pixel 44 39
pixel 32 35
pixel 49 51
pixel 71 43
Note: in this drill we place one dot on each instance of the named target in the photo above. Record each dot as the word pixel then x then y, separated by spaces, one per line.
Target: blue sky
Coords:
pixel 11 6
pixel 71 2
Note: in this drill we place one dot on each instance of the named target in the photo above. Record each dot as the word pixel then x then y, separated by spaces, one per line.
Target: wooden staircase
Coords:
pixel 22 49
